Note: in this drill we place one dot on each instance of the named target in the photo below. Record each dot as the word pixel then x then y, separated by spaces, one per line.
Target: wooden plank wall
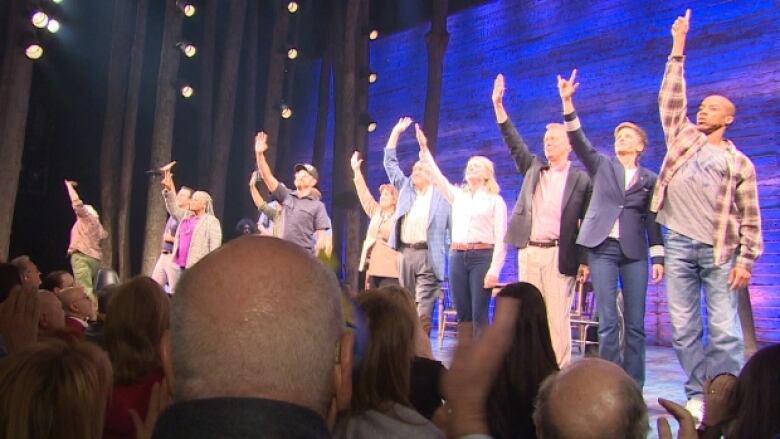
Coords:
pixel 620 48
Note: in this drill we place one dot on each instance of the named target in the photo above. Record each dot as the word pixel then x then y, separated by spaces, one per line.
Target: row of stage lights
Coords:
pixel 292 53
pixel 41 20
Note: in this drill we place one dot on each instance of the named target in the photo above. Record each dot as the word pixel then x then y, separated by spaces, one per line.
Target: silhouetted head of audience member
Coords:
pixel 9 277
pixel 592 398
pixel 77 303
pixel 28 271
pixel 530 360
pixel 51 315
pixel 56 388
pixel 756 399
pixel 57 280
pixel 138 316
pixel 268 330
pixel 383 372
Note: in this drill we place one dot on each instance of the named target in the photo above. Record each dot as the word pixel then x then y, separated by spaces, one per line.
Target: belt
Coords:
pixel 166 252
pixel 544 244
pixel 462 247
pixel 416 245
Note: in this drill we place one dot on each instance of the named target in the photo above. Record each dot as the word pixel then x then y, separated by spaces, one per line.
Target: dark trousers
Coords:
pixel 467 271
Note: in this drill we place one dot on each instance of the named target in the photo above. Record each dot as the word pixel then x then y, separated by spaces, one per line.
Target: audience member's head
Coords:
pixel 383 372
pixel 592 398
pixel 530 360
pixel 28 271
pixel 757 396
pixel 9 277
pixel 270 330
pixel 77 303
pixel 51 315
pixel 55 388
pixel 57 280
pixel 138 315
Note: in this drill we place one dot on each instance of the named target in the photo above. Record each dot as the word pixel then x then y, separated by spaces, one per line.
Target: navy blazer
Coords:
pixel 438 216
pixel 610 201
pixel 575 202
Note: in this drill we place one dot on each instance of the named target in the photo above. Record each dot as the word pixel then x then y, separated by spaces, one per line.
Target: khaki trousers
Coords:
pixel 539 267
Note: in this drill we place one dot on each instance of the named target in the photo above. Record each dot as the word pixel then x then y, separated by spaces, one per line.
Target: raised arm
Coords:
pixel 394 173
pixel 672 101
pixel 261 146
pixel 75 200
pixel 438 180
pixel 169 195
pixel 258 199
pixel 518 149
pixel 368 202
pixel 587 154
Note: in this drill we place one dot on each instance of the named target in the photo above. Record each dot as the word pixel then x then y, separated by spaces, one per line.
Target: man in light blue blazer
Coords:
pixel 422 227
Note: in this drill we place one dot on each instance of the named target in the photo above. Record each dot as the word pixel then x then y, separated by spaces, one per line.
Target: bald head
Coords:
pixel 51 316
pixel 592 398
pixel 715 113
pixel 77 303
pixel 258 317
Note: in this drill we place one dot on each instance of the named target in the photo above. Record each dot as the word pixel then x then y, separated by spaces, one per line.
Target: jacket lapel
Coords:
pixel 568 188
pixel 620 175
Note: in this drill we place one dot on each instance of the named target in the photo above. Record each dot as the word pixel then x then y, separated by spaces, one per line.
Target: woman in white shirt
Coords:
pixel 479 222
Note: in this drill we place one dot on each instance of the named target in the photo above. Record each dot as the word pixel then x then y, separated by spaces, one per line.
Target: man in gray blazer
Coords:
pixel 545 221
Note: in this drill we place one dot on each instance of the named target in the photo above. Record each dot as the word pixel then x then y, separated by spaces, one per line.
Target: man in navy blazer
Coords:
pixel 545 221
pixel 616 231
pixel 422 227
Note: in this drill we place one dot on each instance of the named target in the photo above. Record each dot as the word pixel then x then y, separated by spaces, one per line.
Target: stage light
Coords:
pixel 292 53
pixel 369 123
pixel 39 19
pixel 53 26
pixel 373 34
pixel 372 77
pixel 187 91
pixel 292 7
pixel 188 49
pixel 187 8
pixel 286 111
pixel 56 1
pixel 33 51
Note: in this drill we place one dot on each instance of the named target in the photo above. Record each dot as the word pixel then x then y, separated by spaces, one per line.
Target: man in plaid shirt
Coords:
pixel 707 198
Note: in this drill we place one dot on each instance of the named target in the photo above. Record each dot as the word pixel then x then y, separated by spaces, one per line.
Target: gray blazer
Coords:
pixel 576 194
pixel 206 237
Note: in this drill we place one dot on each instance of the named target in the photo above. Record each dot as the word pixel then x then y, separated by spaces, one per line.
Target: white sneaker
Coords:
pixel 696 408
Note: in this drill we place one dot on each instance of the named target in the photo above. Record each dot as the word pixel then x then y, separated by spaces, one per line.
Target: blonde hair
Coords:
pixel 491 185
pixel 57 388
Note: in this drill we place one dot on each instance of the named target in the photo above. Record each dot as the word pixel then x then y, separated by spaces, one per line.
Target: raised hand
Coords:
pixel 421 139
pixel 253 179
pixel 402 125
pixel 567 87
pixel 167 181
pixel 498 90
pixel 261 142
pixel 168 167
pixel 355 161
pixel 681 25
pixel 70 183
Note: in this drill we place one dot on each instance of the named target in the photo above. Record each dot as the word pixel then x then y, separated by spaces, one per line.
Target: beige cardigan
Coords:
pixel 372 209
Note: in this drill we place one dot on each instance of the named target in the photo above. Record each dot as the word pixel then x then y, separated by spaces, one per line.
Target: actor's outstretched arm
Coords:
pixel 368 202
pixel 438 179
pixel 518 149
pixel 261 146
pixel 672 101
pixel 393 170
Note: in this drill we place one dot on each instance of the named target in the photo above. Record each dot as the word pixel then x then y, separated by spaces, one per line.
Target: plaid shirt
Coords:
pixel 86 233
pixel 737 224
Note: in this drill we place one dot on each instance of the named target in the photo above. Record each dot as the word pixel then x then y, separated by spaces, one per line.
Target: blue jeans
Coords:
pixel 467 271
pixel 690 266
pixel 606 263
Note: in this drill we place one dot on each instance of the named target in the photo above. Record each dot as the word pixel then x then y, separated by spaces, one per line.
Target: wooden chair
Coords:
pixel 583 315
pixel 448 317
